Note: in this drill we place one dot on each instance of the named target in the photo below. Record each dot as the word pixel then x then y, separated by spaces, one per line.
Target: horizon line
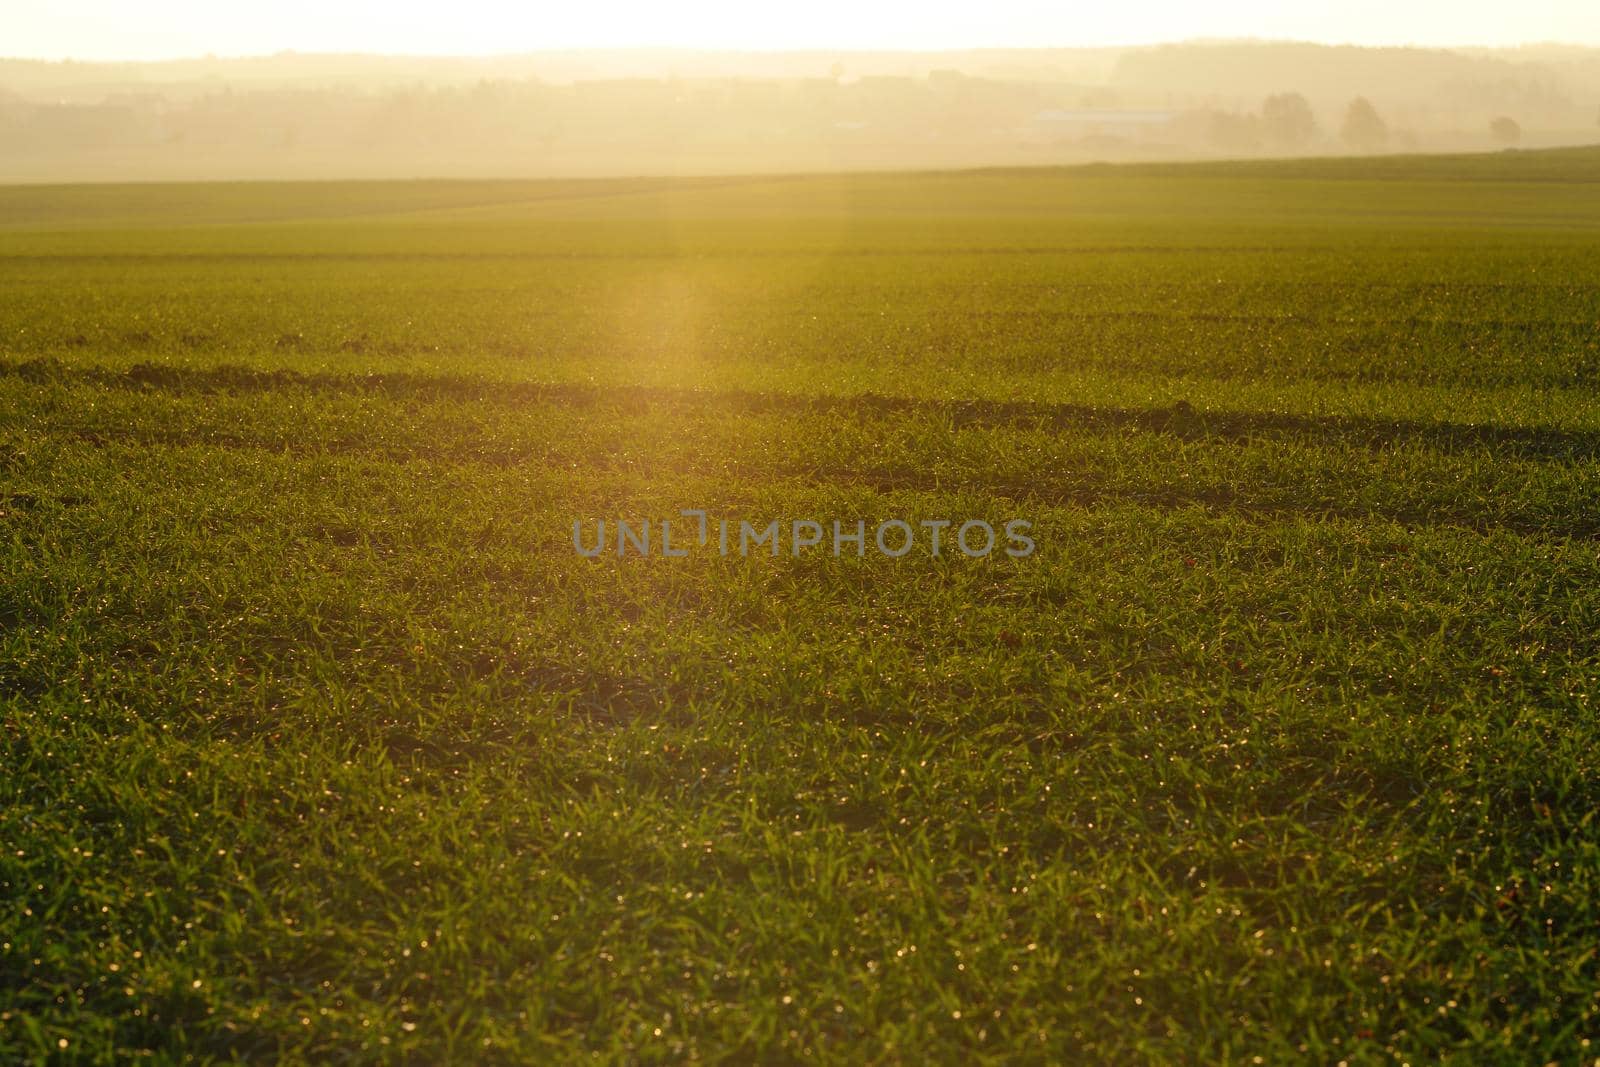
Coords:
pixel 722 50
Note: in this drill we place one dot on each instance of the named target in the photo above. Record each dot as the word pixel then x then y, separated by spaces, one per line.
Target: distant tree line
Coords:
pixel 648 125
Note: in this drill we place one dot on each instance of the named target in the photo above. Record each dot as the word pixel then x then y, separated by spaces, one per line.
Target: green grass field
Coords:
pixel 322 744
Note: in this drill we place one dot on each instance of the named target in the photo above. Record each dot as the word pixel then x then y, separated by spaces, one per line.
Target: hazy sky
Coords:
pixel 152 29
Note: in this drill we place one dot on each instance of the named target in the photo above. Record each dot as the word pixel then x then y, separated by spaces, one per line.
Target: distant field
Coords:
pixel 320 743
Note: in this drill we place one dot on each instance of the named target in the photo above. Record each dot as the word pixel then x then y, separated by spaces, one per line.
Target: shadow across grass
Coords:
pixel 1180 419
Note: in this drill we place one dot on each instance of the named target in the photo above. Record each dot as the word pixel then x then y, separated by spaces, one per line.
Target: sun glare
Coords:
pixel 107 29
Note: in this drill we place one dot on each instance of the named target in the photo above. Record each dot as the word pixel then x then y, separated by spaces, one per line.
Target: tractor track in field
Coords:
pixel 1180 419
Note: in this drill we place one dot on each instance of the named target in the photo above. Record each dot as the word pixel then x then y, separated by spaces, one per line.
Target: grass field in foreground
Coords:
pixel 321 744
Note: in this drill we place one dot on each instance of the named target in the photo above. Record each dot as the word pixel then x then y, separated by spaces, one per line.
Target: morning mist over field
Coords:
pixel 662 111
pixel 1007 534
